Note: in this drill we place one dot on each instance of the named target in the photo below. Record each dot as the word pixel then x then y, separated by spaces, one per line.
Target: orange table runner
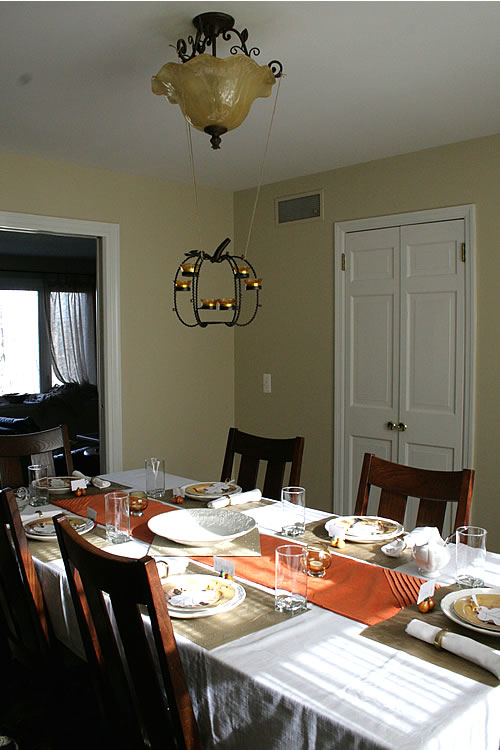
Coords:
pixel 356 590
pixel 138 524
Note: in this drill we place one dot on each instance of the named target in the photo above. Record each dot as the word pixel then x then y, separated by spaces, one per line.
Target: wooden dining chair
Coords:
pixel 434 489
pixel 17 452
pixel 39 674
pixel 278 452
pixel 22 608
pixel 138 674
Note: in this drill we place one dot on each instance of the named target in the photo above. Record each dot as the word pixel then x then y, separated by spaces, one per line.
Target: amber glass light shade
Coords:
pixel 212 91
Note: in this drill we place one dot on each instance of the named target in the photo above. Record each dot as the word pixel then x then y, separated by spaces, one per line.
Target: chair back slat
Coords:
pixel 22 605
pixel 277 452
pixel 138 673
pixel 433 489
pixel 17 452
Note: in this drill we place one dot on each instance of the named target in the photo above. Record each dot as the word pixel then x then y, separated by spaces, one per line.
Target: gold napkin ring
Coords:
pixel 439 637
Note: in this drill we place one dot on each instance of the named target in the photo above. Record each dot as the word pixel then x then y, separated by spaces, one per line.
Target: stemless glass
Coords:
pixel 138 502
pixel 293 505
pixel 470 555
pixel 319 559
pixel 117 514
pixel 290 586
pixel 155 477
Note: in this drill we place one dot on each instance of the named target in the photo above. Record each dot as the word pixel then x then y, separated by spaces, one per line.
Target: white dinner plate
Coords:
pixel 447 606
pixel 204 490
pixel 201 526
pixel 42 528
pixel 210 595
pixel 368 529
pixel 55 485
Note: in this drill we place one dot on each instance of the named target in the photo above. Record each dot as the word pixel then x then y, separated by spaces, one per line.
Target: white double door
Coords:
pixel 404 347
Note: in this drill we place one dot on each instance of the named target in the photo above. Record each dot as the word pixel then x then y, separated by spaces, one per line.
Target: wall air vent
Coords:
pixel 307 207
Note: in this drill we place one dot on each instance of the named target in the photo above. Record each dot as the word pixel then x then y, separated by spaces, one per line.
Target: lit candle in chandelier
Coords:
pixel 188 269
pixel 182 286
pixel 208 304
pixel 227 304
pixel 253 284
pixel 242 272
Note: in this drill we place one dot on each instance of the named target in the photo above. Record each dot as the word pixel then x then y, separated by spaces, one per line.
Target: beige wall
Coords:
pixel 292 337
pixel 177 383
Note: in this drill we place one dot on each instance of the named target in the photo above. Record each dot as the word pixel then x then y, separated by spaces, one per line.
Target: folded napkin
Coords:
pixel 101 484
pixel 252 496
pixel 459 645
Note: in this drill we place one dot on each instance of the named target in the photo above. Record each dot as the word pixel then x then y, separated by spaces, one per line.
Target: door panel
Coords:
pixel 371 395
pixel 404 347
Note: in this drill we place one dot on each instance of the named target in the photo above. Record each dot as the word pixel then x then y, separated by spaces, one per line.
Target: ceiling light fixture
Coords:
pixel 215 94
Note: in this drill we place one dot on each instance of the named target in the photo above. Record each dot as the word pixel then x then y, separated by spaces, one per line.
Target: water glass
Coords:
pixel 117 517
pixel 293 505
pixel 38 485
pixel 290 590
pixel 155 477
pixel 470 555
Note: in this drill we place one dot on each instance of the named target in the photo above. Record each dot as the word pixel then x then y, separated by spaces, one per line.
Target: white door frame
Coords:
pixel 465 212
pixel 110 296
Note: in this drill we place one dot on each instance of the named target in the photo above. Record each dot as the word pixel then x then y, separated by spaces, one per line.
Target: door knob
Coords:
pixel 392 426
pixel 402 427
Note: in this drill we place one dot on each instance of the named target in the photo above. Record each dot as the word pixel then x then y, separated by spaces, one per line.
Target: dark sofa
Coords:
pixel 75 405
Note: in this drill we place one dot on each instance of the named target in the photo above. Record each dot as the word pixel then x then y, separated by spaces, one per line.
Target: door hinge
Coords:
pixel 342 262
pixel 463 252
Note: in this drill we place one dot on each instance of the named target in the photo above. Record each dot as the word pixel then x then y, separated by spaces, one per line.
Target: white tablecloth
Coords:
pixel 312 683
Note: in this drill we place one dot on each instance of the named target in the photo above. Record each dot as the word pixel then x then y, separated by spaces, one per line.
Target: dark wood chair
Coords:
pixel 139 679
pixel 30 652
pixel 22 607
pixel 434 489
pixel 278 452
pixel 17 452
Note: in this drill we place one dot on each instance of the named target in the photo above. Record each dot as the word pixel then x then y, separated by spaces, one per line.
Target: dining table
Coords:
pixel 338 675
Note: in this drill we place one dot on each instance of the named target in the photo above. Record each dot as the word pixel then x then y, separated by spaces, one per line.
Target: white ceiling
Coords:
pixel 364 80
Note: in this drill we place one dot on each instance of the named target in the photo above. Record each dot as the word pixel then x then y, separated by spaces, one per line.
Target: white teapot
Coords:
pixel 430 552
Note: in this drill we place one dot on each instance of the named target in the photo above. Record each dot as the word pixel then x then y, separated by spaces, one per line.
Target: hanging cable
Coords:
pixel 244 255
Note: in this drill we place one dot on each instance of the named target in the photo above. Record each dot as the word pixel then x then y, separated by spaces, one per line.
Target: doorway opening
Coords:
pixel 102 242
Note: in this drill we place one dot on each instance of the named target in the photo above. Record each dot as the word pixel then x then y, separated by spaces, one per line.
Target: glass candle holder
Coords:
pixel 319 560
pixel 253 284
pixel 138 502
pixel 182 286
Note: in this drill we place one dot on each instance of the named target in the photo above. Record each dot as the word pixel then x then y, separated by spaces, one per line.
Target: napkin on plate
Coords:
pixel 459 645
pixel 252 496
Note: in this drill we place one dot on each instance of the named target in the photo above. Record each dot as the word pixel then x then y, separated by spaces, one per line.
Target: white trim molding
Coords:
pixel 109 235
pixel 465 212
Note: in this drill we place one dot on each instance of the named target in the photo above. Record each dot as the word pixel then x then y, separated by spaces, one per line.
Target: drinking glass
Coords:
pixel 155 477
pixel 38 486
pixel 293 505
pixel 319 559
pixel 138 502
pixel 470 555
pixel 117 517
pixel 290 591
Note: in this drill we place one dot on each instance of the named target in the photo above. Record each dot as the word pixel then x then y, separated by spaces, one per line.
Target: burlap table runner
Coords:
pixel 243 546
pixel 48 551
pixel 392 633
pixel 90 491
pixel 316 532
pixel 255 613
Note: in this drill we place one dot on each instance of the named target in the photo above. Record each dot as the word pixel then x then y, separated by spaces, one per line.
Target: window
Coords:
pixel 19 341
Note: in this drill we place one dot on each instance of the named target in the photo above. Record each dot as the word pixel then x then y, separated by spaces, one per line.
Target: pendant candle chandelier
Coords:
pixel 215 96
